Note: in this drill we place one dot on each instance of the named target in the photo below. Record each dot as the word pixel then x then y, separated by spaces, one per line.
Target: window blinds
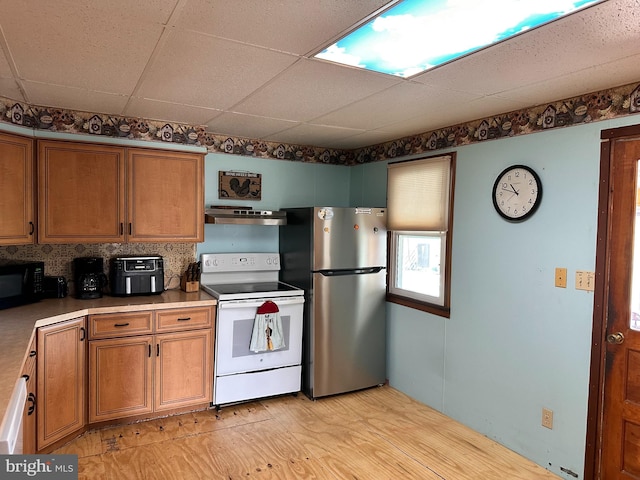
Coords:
pixel 418 194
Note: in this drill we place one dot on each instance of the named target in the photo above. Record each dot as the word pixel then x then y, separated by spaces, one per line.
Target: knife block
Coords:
pixel 189 287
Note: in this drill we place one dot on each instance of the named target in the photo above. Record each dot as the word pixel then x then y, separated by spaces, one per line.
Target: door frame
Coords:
pixel 593 444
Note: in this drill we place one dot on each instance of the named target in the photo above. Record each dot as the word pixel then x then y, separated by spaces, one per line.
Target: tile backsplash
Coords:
pixel 58 259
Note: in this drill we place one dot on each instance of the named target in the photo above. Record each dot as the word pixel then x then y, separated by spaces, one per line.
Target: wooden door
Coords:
pixel 183 374
pixel 620 444
pixel 165 196
pixel 60 374
pixel 81 192
pixel 16 190
pixel 120 378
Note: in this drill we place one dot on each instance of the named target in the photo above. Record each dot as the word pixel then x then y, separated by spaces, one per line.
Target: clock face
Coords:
pixel 517 193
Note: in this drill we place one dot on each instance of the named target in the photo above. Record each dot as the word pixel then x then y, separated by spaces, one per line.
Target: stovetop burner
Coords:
pixel 240 276
pixel 224 290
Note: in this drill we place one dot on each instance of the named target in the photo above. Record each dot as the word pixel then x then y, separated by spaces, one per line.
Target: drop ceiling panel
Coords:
pixel 598 77
pixel 169 112
pixel 9 89
pixel 247 126
pixel 312 88
pixel 475 109
pixel 401 101
pixel 74 98
pixel 326 136
pixel 197 69
pixel 62 43
pixel 290 25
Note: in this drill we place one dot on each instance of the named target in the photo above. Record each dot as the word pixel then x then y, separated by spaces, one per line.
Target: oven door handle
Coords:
pixel 255 303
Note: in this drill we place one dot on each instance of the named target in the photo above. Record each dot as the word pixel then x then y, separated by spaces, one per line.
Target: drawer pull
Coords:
pixel 185 319
pixel 121 324
pixel 26 377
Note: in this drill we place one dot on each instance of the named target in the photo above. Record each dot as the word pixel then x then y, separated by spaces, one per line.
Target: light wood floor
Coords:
pixel 374 434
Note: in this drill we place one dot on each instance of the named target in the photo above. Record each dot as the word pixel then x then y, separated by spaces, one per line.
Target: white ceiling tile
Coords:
pixel 248 126
pixel 288 25
pixel 325 135
pixel 228 71
pixel 595 78
pixel 74 98
pixel 364 140
pixel 10 89
pixel 312 88
pixel 70 43
pixel 169 112
pixel 401 101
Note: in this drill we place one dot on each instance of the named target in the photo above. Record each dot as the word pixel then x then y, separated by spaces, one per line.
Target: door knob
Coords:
pixel 615 338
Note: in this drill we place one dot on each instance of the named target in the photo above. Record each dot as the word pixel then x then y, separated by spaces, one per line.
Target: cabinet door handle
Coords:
pixel 26 377
pixel 157 349
pixel 32 408
pixel 121 324
pixel 185 319
pixel 130 228
pixel 149 350
pixel 32 229
pixel 32 353
pixel 121 228
pixel 84 334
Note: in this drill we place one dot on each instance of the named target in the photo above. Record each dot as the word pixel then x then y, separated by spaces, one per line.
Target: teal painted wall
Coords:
pixel 284 184
pixel 514 342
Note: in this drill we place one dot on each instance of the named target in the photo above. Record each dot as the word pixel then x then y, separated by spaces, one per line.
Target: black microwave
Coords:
pixel 20 283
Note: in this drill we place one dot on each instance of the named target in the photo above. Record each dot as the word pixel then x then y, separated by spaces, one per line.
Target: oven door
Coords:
pixel 234 327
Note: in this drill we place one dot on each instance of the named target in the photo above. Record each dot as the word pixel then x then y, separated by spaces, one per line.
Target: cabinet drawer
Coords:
pixel 120 324
pixel 183 319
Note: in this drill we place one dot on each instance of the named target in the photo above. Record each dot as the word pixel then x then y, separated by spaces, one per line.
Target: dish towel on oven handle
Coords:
pixel 267 329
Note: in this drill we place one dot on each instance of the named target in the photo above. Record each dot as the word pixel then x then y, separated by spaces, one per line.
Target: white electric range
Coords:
pixel 243 282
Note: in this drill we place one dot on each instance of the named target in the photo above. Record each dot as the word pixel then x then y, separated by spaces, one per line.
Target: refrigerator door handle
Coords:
pixel 350 271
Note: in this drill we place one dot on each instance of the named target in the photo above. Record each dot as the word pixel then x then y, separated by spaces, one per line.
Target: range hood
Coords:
pixel 244 216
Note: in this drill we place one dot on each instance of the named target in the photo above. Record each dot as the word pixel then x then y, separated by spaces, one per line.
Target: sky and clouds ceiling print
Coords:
pixel 417 35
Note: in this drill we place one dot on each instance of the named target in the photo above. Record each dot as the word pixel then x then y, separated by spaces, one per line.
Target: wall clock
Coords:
pixel 517 193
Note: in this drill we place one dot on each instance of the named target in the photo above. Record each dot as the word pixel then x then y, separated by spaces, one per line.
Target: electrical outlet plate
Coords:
pixel 547 418
pixel 561 277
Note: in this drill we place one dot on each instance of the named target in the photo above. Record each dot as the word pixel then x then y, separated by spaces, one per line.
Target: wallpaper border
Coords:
pixel 590 107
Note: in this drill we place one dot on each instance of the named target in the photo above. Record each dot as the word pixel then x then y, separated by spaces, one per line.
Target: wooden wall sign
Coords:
pixel 240 185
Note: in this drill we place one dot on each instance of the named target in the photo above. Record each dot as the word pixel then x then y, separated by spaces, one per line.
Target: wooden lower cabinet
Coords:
pixel 183 373
pixel 136 375
pixel 120 378
pixel 61 378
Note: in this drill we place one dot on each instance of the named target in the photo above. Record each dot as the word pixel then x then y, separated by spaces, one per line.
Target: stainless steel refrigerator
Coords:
pixel 338 256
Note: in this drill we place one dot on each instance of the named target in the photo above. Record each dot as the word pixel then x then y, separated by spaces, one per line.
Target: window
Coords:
pixel 420 206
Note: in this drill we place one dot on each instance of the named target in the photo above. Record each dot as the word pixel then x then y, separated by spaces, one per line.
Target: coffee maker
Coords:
pixel 89 277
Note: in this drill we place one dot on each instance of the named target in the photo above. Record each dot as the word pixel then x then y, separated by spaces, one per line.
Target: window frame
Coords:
pixel 445 265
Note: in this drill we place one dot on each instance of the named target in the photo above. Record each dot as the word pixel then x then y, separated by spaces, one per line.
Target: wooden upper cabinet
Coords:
pixel 16 190
pixel 90 193
pixel 165 196
pixel 81 192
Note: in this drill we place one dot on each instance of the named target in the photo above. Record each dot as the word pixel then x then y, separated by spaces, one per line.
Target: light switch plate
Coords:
pixel 585 280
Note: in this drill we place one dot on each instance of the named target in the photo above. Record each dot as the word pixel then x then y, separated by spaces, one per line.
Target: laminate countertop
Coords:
pixel 18 324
